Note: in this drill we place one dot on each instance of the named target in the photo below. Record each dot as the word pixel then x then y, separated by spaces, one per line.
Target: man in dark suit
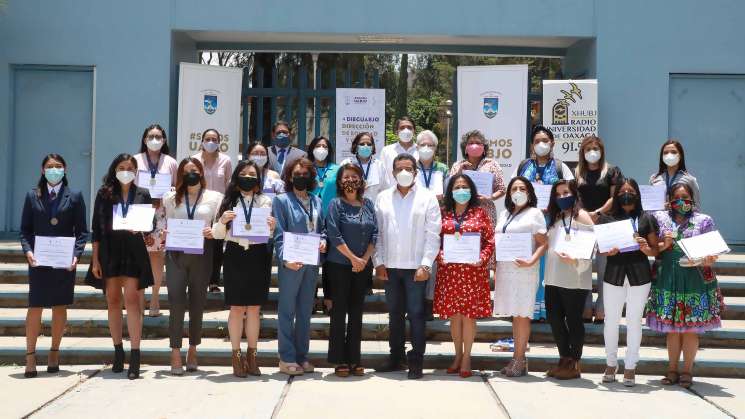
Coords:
pixel 281 152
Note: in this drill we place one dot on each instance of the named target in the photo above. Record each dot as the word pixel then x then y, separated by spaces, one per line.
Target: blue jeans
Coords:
pixel 296 293
pixel 404 296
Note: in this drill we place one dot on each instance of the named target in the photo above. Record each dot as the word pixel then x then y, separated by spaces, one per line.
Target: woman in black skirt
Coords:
pixel 54 210
pixel 120 259
pixel 247 263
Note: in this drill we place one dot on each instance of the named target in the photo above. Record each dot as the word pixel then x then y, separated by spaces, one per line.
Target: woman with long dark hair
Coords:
pixel 672 169
pixel 247 264
pixel 120 259
pixel 53 209
pixel 154 159
pixel 272 181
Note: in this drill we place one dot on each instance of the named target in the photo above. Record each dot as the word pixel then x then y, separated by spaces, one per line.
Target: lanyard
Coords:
pixel 567 229
pixel 459 221
pixel 427 179
pixel 322 174
pixel 512 217
pixel 247 212
pixel 669 181
pixel 635 224
pixel 366 171
pixel 125 204
pixel 153 167
pixel 308 212
pixel 190 211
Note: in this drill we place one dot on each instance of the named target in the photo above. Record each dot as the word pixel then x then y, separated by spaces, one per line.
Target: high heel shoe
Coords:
pixel 134 364
pixel 53 369
pixel 239 364
pixel 466 374
pixel 519 368
pixel 30 373
pixel 252 366
pixel 610 374
pixel 118 365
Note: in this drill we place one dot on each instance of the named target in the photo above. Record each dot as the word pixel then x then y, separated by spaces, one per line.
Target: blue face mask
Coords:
pixel 282 140
pixel 565 202
pixel 364 151
pixel 54 175
pixel 462 196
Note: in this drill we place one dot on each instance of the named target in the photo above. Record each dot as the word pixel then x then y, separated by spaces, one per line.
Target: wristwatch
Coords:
pixel 426 268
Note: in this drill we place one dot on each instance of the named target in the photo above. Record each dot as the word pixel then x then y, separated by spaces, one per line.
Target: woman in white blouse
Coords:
pixel 568 280
pixel 363 155
pixel 191 200
pixel 516 282
pixel 247 264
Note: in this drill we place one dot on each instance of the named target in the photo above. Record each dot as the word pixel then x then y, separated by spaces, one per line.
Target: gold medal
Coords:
pixel 247 226
pixel 320 184
pixel 54 221
pixel 152 181
pixel 636 235
pixel 124 221
pixel 568 237
pixel 457 235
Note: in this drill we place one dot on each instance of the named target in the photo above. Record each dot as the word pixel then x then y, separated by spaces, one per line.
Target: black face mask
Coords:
pixel 247 183
pixel 301 183
pixel 192 178
pixel 627 198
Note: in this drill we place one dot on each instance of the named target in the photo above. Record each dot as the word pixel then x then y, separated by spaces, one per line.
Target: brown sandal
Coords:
pixel 670 378
pixel 358 371
pixel 685 380
pixel 342 370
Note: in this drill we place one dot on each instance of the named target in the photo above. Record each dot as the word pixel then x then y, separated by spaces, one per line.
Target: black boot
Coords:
pixel 118 365
pixel 134 364
pixel 428 315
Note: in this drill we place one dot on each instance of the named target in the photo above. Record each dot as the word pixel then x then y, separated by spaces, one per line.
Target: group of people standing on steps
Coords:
pixel 382 213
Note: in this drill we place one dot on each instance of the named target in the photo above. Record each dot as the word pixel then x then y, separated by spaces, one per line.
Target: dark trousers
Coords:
pixel 217 255
pixel 404 296
pixel 347 291
pixel 564 312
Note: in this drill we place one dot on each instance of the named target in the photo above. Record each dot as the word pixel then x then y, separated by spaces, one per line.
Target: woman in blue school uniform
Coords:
pixel 51 209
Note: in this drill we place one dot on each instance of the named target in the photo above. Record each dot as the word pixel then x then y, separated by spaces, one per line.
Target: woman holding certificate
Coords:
pixel 672 169
pixel 298 213
pixel 685 299
pixel 596 182
pixel 352 231
pixel 120 258
pixel 627 280
pixel 516 281
pixel 157 173
pixel 244 221
pixel 462 291
pixel 568 279
pixel 195 206
pixel 51 210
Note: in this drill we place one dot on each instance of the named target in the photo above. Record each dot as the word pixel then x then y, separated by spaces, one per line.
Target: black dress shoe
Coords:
pixel 53 369
pixel 415 373
pixel 391 366
pixel 134 364
pixel 30 373
pixel 118 365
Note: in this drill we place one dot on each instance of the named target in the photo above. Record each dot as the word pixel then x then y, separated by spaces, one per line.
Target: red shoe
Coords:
pixel 452 370
pixel 466 374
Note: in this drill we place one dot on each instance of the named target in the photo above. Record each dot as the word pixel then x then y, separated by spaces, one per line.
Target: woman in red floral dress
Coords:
pixel 462 289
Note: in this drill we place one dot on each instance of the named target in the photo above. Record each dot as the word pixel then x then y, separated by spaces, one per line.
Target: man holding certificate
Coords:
pixel 408 240
pixel 298 213
pixel 189 213
pixel 53 236
pixel 245 223
pixel 462 292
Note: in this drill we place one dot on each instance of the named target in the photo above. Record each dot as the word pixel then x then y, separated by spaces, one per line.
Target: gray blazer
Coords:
pixel 293 153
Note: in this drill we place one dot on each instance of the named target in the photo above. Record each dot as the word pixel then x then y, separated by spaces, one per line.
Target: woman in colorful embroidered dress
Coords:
pixel 685 299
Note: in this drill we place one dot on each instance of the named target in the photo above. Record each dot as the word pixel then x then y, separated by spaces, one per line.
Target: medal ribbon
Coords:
pixel 247 212
pixel 190 211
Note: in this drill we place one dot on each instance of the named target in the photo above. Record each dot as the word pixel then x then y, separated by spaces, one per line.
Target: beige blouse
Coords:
pixel 220 230
pixel 206 207
pixel 560 274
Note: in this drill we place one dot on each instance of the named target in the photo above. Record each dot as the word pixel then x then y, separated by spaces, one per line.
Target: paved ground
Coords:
pixel 214 392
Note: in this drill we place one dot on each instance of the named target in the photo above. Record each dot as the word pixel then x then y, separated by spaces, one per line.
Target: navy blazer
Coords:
pixel 35 220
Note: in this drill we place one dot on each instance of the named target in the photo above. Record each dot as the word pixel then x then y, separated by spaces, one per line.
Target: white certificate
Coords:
pixel 653 197
pixel 299 247
pixel 511 246
pixel 580 245
pixel 435 183
pixel 484 181
pixel 707 244
pixel 185 235
pixel 55 252
pixel 463 249
pixel 619 234
pixel 157 186
pixel 139 218
pixel 259 226
pixel 543 193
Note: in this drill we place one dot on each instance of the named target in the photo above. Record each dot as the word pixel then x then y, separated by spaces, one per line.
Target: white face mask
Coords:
pixel 320 153
pixel 258 159
pixel 210 147
pixel 125 176
pixel 592 156
pixel 542 149
pixel 153 144
pixel 406 135
pixel 405 178
pixel 426 153
pixel 671 159
pixel 519 198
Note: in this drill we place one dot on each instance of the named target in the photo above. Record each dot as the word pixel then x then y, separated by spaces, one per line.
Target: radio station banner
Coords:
pixel 570 110
pixel 359 110
pixel 208 97
pixel 494 100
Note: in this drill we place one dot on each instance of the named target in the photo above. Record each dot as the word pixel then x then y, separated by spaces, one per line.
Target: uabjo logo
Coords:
pixel 490 103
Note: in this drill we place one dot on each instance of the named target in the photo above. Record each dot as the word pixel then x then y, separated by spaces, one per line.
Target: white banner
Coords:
pixel 359 110
pixel 208 97
pixel 494 100
pixel 570 110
